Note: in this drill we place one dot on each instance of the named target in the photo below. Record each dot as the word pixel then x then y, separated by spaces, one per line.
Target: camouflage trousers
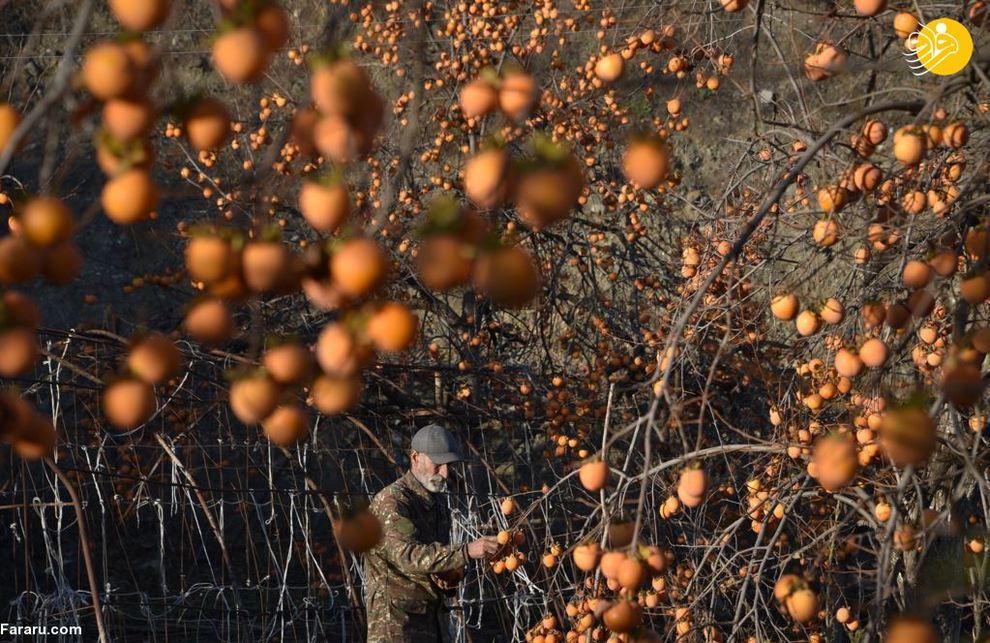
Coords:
pixel 406 620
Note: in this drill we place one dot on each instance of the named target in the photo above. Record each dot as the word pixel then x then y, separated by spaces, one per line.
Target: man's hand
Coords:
pixel 483 547
pixel 448 581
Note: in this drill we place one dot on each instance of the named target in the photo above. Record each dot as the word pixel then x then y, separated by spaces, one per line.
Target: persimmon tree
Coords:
pixel 700 286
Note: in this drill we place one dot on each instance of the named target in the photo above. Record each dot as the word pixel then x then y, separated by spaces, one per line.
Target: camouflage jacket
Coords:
pixel 414 544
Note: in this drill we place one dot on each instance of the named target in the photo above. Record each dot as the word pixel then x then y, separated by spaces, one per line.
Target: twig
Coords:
pixel 209 516
pixel 94 587
pixel 59 86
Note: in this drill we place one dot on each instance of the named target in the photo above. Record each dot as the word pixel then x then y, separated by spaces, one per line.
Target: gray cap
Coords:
pixel 436 442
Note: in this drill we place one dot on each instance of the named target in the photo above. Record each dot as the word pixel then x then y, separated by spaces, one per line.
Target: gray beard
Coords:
pixel 434 484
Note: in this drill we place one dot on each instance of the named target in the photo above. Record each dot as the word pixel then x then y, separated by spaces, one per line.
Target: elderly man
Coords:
pixel 413 567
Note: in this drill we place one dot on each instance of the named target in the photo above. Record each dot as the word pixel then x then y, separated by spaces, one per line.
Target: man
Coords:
pixel 413 567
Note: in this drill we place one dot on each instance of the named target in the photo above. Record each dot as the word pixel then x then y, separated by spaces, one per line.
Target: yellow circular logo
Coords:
pixel 942 47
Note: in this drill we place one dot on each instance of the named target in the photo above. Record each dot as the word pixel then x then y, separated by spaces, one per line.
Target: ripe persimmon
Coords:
pixel 146 63
pixel 508 275
pixel 18 351
pixel 286 425
pixel 784 306
pixel 337 139
pixel 692 487
pixel 916 274
pixel 10 118
pixel 209 321
pixel 209 258
pixel 128 118
pixel 910 145
pixel 873 352
pixel 546 193
pixel 331 395
pixel 898 315
pixel 956 135
pixel 874 313
pixel 786 585
pixel 807 323
pixel 944 263
pixel 975 287
pixel 594 475
pixel 206 123
pixel 646 162
pixel 46 221
pixel 140 15
pixel 339 352
pixel 263 264
pixel 301 130
pixel 631 574
pixel 832 198
pixel 882 511
pixel 324 206
pixel 517 95
pixel 610 563
pixel 444 262
pixel 825 232
pixel 827 60
pixel 802 605
pixel 586 556
pixel 241 54
pixel 129 197
pixel 835 461
pixel 979 12
pixel 623 616
pixel 905 538
pixel 253 397
pixel 107 71
pixel 910 629
pixel 128 403
pixel 980 336
pixel 977 240
pixel 869 8
pixel 866 177
pixel 358 266
pixel 905 24
pixel 322 293
pixel 478 98
pixel 609 68
pixel 391 327
pixel 288 363
pixel 154 358
pixel 487 178
pixel 340 88
pixel 732 6
pixel 832 311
